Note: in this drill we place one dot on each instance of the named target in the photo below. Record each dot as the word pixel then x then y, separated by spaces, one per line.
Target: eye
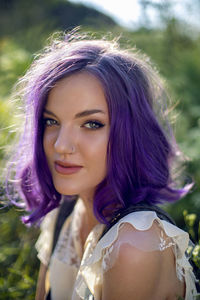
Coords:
pixel 93 125
pixel 48 122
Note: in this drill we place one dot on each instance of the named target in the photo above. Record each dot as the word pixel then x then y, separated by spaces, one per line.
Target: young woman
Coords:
pixel 95 132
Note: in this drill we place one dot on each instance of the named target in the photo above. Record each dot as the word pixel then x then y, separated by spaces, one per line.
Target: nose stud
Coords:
pixel 69 152
pixel 64 146
pixel 72 150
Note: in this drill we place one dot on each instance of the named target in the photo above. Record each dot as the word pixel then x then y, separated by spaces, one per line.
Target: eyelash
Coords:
pixel 96 124
pixel 52 122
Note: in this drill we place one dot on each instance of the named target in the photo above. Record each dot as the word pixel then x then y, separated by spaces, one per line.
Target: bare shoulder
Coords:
pixel 144 274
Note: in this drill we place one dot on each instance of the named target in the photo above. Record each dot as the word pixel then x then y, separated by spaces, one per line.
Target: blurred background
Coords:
pixel 167 31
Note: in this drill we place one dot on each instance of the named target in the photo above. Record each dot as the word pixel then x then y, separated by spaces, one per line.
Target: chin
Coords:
pixel 65 187
pixel 66 192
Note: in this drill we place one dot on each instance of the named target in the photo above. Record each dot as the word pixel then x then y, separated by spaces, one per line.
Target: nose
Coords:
pixel 65 142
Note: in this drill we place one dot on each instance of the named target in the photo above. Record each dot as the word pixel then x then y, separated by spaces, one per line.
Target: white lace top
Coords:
pixel 73 273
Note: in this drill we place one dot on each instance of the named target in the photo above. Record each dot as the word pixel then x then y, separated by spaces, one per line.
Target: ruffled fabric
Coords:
pixel 90 275
pixel 75 277
pixel 45 240
pixel 93 263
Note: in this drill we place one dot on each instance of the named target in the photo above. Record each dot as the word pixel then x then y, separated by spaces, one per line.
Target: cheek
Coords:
pixel 45 144
pixel 95 150
pixel 48 142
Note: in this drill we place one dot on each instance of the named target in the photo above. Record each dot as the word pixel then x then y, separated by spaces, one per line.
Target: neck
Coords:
pixel 89 219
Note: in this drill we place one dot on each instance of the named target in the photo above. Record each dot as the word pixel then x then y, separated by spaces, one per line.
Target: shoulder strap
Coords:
pixel 65 210
pixel 163 215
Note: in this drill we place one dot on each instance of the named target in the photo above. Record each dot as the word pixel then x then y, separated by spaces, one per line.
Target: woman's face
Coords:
pixel 76 134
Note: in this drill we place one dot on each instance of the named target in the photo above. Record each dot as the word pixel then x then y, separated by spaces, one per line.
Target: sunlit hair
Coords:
pixel 140 148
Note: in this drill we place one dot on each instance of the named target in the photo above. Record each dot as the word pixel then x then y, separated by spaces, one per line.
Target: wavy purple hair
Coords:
pixel 139 154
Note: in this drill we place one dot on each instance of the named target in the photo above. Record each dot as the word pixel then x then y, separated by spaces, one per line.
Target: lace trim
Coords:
pixel 89 278
pixel 165 242
pixel 96 262
pixel 65 251
pixel 97 252
pixel 142 222
pixel 149 240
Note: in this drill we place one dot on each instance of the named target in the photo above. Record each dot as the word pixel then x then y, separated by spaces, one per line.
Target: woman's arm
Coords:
pixel 141 275
pixel 40 290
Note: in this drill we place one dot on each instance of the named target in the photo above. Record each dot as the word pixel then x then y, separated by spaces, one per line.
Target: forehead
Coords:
pixel 80 90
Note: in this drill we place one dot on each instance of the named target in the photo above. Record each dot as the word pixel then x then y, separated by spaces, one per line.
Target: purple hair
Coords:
pixel 140 152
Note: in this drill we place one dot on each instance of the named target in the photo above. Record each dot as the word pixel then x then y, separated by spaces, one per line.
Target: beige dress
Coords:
pixel 71 274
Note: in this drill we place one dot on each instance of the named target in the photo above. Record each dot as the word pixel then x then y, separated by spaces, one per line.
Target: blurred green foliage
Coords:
pixel 174 48
pixel 18 263
pixel 193 228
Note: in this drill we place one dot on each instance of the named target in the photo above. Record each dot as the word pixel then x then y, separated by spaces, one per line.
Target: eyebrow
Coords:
pixel 80 114
pixel 88 112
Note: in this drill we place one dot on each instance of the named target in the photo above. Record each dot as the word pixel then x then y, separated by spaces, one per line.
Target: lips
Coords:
pixel 66 168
